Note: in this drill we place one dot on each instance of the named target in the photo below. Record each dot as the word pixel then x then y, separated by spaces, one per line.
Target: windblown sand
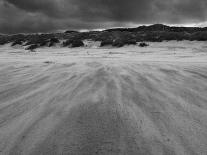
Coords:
pixel 105 101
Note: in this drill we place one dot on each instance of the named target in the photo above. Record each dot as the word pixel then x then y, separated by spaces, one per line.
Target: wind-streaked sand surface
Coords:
pixel 87 101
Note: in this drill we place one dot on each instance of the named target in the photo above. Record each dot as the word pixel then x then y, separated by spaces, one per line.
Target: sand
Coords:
pixel 105 101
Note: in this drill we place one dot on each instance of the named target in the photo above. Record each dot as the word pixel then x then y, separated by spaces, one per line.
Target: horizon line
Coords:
pixel 115 27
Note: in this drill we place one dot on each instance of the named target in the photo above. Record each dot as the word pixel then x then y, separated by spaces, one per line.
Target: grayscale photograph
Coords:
pixel 103 77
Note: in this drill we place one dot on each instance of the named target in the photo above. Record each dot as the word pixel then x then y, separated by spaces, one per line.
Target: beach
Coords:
pixel 107 101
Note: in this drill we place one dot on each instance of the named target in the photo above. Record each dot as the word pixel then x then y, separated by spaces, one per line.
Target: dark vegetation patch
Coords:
pixel 32 47
pixel 106 42
pixel 17 42
pixel 67 43
pixel 113 37
pixel 53 41
pixel 118 42
pixel 73 43
pixel 77 43
pixel 70 31
pixel 143 44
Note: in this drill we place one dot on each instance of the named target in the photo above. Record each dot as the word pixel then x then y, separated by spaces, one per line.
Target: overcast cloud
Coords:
pixel 52 15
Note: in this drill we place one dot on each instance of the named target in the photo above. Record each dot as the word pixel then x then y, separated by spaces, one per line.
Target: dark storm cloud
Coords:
pixel 51 15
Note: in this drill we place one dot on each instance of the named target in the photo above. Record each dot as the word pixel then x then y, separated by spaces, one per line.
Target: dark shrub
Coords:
pixel 103 36
pixel 32 47
pixel 73 43
pixel 17 42
pixel 106 42
pixel 54 40
pixel 51 44
pixel 69 31
pixel 2 41
pixel 118 43
pixel 199 36
pixel 43 43
pixel 143 45
pixel 130 42
pixel 28 43
pixel 77 43
pixel 152 36
pixel 173 36
pixel 67 43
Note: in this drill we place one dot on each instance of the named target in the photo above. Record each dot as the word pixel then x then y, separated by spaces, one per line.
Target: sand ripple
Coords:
pixel 103 108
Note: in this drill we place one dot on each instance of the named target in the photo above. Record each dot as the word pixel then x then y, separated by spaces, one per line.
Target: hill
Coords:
pixel 116 37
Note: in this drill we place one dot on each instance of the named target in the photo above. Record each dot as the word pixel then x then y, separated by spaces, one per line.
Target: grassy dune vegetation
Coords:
pixel 114 37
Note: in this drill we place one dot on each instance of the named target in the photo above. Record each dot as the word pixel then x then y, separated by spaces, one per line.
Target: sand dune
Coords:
pixel 84 105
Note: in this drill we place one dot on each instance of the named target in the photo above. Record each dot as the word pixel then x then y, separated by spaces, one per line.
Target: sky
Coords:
pixel 32 16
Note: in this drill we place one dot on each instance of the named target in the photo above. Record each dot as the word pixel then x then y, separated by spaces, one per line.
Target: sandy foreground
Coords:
pixel 105 101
